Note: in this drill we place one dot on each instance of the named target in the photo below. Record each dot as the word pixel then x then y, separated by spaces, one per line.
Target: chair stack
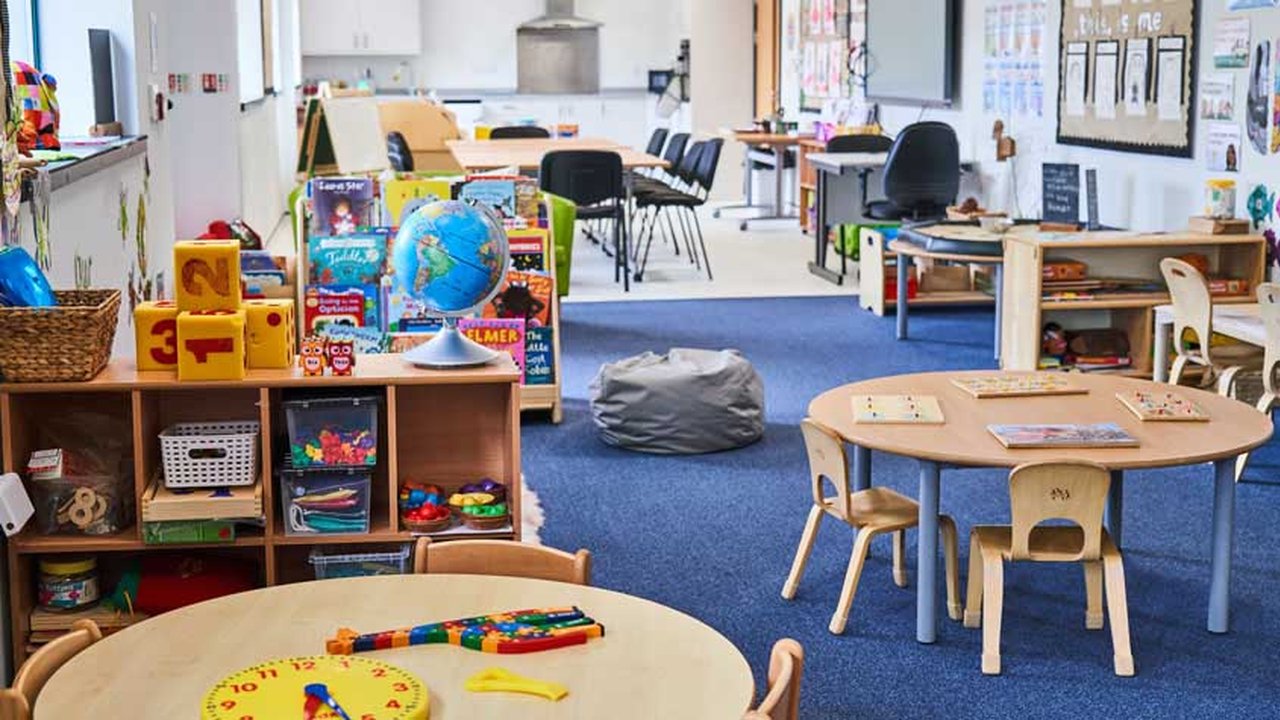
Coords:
pixel 688 190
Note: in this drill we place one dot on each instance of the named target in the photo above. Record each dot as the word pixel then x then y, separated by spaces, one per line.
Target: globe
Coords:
pixel 450 256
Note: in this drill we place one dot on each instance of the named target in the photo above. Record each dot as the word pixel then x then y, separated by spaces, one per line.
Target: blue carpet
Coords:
pixel 714 535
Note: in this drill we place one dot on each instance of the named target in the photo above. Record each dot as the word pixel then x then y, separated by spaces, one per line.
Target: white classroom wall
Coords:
pixel 64 49
pixel 721 80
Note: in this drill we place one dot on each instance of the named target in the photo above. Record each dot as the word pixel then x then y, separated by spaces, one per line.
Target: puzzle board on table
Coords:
pixel 1162 406
pixel 897 410
pixel 996 386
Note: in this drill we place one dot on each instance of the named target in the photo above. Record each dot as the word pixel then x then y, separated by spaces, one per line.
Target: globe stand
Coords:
pixel 450 349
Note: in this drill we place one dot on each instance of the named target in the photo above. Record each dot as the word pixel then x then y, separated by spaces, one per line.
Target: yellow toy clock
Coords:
pixel 321 687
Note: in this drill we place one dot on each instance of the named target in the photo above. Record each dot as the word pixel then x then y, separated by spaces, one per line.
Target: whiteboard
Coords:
pixel 249 50
pixel 910 51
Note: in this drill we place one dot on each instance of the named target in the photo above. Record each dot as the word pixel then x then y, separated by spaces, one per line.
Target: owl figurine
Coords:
pixel 341 355
pixel 312 356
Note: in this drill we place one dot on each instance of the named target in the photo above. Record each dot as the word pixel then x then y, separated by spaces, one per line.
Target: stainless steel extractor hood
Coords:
pixel 558 52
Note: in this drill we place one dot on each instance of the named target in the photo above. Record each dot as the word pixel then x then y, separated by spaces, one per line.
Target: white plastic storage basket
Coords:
pixel 214 454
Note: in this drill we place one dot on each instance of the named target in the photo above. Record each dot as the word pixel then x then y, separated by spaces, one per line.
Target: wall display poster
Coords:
pixel 1256 100
pixel 824 52
pixel 1142 54
pixel 1218 97
pixel 1231 43
pixel 1013 57
pixel 1222 146
pixel 1275 103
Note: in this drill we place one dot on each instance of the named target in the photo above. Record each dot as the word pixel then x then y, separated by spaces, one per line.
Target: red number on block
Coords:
pixel 202 348
pixel 218 280
pixel 168 329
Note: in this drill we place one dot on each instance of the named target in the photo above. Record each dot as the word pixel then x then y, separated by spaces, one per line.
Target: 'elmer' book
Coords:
pixel 497 334
pixel 525 295
pixel 341 205
pixel 539 356
pixel 352 260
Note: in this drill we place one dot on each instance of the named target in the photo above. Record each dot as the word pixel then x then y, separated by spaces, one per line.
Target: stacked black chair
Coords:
pixel 921 176
pixel 593 180
pixel 398 153
pixel 516 132
pixel 697 173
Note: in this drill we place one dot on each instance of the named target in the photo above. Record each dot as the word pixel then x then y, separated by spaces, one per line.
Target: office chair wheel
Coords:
pixel 716 213
pixel 742 226
pixel 638 277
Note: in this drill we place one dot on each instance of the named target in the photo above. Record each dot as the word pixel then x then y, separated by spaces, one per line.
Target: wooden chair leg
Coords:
pixel 1118 609
pixel 992 608
pixel 1227 381
pixel 950 558
pixel 1264 406
pixel 856 560
pixel 899 562
pixel 973 603
pixel 1175 371
pixel 1093 594
pixel 802 552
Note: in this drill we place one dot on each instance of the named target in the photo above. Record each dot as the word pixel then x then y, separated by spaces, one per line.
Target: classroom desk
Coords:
pixel 778 144
pixel 906 248
pixel 653 662
pixel 964 441
pixel 526 153
pixel 841 190
pixel 1239 322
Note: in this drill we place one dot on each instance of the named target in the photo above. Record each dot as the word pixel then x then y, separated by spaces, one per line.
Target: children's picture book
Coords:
pixel 997 386
pixel 1067 435
pixel 402 312
pixel 498 334
pixel 897 410
pixel 341 205
pixel 539 356
pixel 403 196
pixel 497 193
pixel 1162 406
pixel 528 249
pixel 525 295
pixel 352 260
pixel 365 340
pixel 355 305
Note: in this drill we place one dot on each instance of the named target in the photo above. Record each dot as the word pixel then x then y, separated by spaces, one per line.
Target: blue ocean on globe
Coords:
pixel 450 256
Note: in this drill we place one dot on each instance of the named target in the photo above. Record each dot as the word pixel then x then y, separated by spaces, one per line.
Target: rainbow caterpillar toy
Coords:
pixel 508 633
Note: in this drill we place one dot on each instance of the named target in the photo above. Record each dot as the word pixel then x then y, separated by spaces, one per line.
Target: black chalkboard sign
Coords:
pixel 1060 193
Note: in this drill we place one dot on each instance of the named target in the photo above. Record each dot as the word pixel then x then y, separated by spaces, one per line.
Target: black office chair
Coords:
pixel 673 155
pixel 859 144
pixel 921 176
pixel 398 153
pixel 593 180
pixel 516 132
pixel 700 172
pixel 656 141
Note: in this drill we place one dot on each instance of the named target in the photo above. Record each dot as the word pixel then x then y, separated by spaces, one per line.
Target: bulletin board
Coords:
pixel 824 51
pixel 1126 75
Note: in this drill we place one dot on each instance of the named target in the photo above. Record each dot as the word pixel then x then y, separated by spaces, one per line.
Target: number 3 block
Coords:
pixel 208 274
pixel 271 331
pixel 211 345
pixel 155 327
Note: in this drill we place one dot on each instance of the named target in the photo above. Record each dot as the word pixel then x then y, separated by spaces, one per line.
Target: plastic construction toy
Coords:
pixel 496 679
pixel 337 447
pixel 508 633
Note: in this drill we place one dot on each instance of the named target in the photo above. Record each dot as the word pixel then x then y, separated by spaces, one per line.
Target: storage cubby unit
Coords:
pixel 1111 254
pixel 877 265
pixel 443 427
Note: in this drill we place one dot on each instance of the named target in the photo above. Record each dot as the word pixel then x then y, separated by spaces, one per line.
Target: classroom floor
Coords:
pixel 714 535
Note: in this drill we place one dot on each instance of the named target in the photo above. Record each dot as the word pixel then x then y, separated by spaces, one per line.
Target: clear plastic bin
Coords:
pixel 87 505
pixel 336 431
pixel 327 565
pixel 330 501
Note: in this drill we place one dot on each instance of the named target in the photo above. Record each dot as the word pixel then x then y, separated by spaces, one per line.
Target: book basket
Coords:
pixel 216 454
pixel 67 343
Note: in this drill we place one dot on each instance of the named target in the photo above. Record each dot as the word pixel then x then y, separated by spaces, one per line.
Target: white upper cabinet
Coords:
pixel 355 27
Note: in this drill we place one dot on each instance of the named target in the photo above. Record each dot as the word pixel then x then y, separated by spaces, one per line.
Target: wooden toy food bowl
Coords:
pixel 427 526
pixel 485 522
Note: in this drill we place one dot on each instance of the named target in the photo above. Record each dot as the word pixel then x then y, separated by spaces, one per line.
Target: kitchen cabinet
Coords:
pixel 342 27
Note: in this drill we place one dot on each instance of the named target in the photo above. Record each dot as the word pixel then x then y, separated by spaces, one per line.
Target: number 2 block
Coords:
pixel 211 345
pixel 155 327
pixel 208 274
pixel 271 329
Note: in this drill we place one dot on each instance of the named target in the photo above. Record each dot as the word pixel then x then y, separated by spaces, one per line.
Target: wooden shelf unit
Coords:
pixel 874 262
pixel 1109 254
pixel 808 179
pixel 441 427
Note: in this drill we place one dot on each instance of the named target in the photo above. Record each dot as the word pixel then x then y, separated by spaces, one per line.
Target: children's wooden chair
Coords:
pixel 782 700
pixel 16 702
pixel 502 557
pixel 1073 491
pixel 1193 312
pixel 870 512
pixel 1269 311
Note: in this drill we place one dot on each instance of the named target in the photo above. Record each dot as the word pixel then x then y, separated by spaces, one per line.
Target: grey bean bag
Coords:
pixel 687 401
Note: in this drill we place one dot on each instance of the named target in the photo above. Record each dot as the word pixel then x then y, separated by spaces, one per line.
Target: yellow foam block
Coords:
pixel 208 274
pixel 155 335
pixel 271 327
pixel 211 345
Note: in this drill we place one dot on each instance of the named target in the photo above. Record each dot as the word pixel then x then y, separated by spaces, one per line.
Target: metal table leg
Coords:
pixel 927 537
pixel 861 468
pixel 1160 359
pixel 997 276
pixel 779 170
pixel 900 304
pixel 1114 515
pixel 819 265
pixel 1224 520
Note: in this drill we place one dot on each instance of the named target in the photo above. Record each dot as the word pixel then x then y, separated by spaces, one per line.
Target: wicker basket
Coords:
pixel 68 343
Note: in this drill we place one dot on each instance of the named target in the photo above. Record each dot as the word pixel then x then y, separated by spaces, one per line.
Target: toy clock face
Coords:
pixel 366 689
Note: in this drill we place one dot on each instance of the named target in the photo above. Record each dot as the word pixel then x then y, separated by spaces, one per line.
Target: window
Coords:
pixel 19 31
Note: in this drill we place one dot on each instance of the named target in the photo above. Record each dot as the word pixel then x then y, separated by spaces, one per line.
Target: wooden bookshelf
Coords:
pixel 443 427
pixel 1109 254
pixel 877 261
pixel 808 179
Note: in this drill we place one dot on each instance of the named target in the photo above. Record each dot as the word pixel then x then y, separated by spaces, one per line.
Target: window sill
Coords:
pixel 91 159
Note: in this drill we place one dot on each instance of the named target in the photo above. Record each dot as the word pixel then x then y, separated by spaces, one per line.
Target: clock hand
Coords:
pixel 320 691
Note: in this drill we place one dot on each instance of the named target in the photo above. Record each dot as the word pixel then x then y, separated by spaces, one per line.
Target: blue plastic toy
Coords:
pixel 21 282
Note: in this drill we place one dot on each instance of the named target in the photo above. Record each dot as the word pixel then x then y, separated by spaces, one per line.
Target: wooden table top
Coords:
pixel 1242 322
pixel 755 137
pixel 1233 427
pixel 526 153
pixel 653 662
pixel 902 247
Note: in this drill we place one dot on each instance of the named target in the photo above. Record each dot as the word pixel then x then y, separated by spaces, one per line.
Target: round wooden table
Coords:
pixel 653 662
pixel 1233 428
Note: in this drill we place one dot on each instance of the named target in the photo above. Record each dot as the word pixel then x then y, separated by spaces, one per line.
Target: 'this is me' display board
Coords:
pixel 1126 75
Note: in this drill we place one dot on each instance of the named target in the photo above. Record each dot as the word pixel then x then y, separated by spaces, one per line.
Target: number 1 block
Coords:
pixel 211 345
pixel 155 328
pixel 271 329
pixel 208 274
